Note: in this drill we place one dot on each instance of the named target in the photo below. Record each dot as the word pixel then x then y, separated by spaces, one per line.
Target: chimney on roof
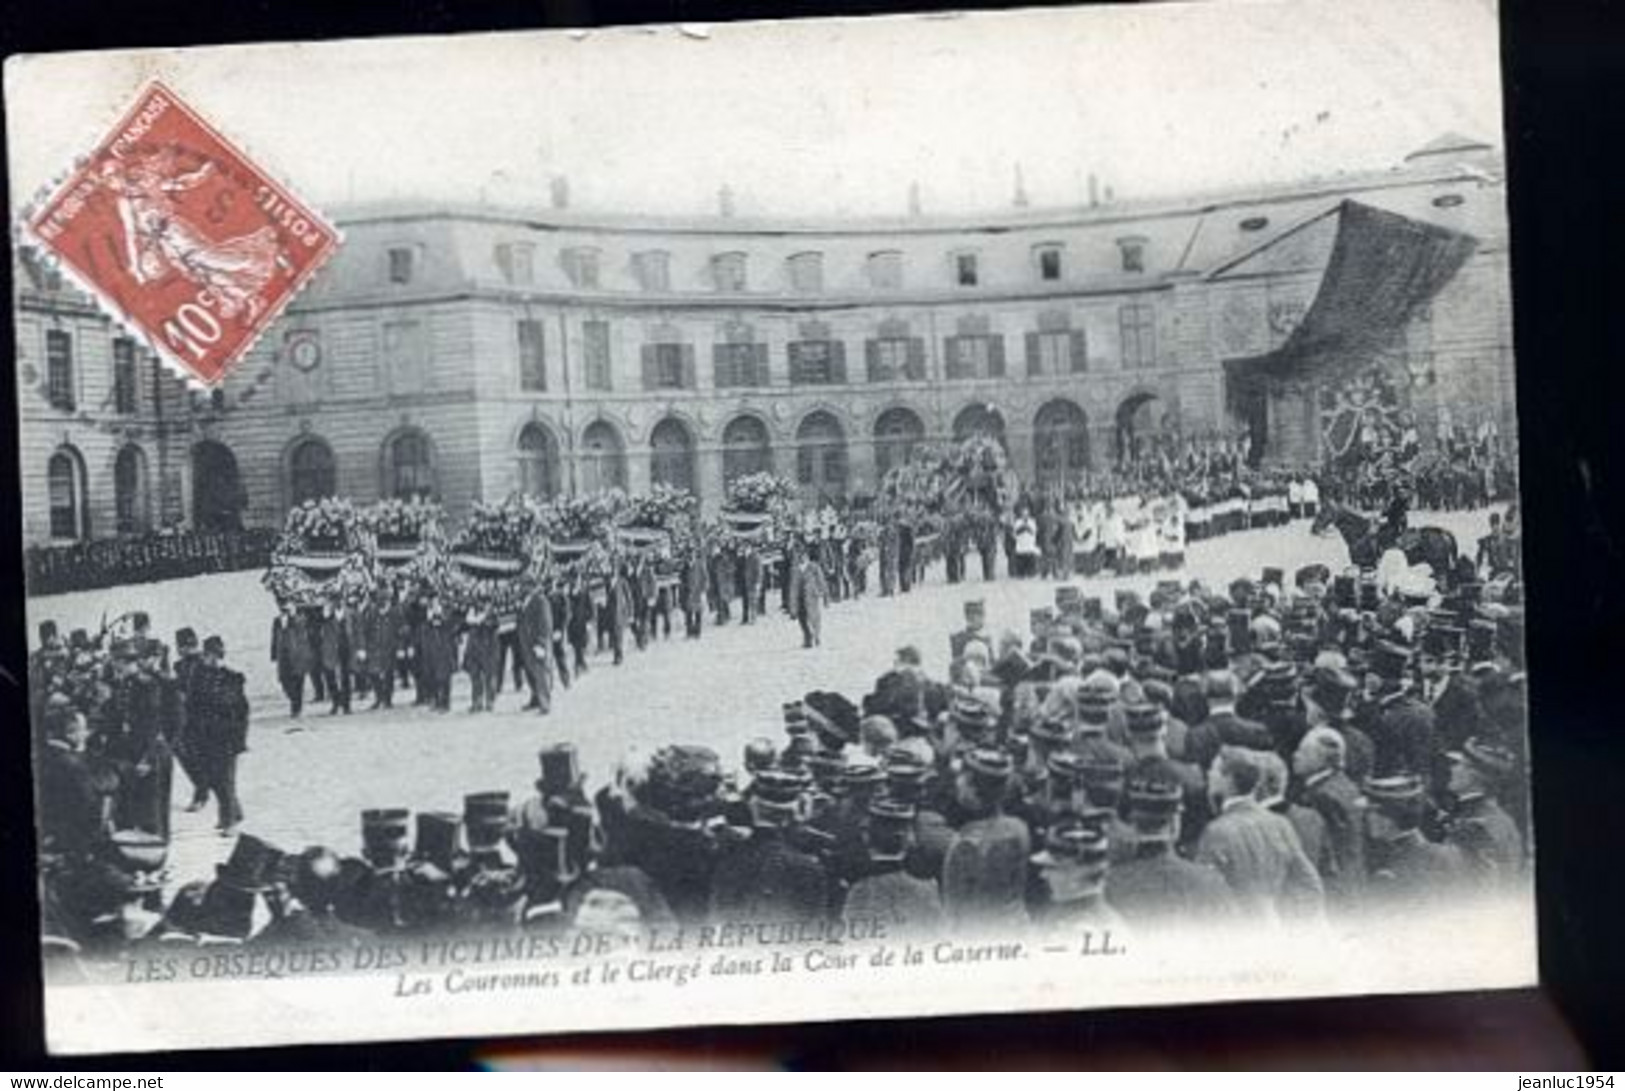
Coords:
pixel 725 201
pixel 914 199
pixel 559 189
pixel 1020 199
pixel 1094 190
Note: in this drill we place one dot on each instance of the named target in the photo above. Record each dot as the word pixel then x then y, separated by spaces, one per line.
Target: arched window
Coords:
pixel 538 462
pixel 603 458
pixel 1138 417
pixel 671 455
pixel 897 432
pixel 1060 443
pixel 979 419
pixel 130 501
pixel 821 456
pixel 65 488
pixel 746 448
pixel 312 474
pixel 218 498
pixel 409 465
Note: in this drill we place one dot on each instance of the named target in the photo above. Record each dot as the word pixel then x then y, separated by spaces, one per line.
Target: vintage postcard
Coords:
pixel 762 522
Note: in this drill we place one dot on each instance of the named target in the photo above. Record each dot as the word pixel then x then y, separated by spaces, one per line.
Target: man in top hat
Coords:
pixel 767 878
pixel 188 655
pixel 217 714
pixel 1256 850
pixel 494 885
pixel 885 889
pixel 1224 725
pixel 1480 828
pixel 534 632
pixel 1405 868
pixel 984 869
pixel 1073 867
pixel 561 802
pixel 1155 885
pixel 234 908
pixel 808 592
pixel 975 629
pixel 293 654
pixel 1401 726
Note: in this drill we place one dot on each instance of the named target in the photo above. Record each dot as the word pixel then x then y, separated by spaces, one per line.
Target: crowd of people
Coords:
pixel 170 553
pixel 1268 751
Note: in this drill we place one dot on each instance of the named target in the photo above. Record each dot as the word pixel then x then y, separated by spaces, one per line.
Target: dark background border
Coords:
pixel 1563 60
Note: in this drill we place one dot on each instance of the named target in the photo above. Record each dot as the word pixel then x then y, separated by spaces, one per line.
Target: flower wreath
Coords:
pixel 496 559
pixel 326 556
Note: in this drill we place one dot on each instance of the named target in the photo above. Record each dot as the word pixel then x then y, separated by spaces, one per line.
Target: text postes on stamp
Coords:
pixel 180 235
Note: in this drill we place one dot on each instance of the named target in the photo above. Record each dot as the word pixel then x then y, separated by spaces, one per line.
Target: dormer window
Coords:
pixel 402 264
pixel 1132 249
pixel 807 272
pixel 728 271
pixel 581 266
pixel 886 270
pixel 517 262
pixel 967 273
pixel 1047 256
pixel 653 270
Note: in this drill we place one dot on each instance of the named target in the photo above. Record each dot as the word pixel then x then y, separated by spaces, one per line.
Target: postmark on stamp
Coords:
pixel 180 236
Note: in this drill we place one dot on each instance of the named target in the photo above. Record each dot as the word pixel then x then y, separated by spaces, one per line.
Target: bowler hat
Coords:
pixel 1389 659
pixel 251 865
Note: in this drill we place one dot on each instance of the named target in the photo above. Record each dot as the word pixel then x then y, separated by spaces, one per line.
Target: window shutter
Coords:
pixel 995 356
pixel 1035 363
pixel 720 376
pixel 690 380
pixel 1080 351
pixel 871 359
pixel 916 358
pixel 649 375
pixel 837 362
pixel 763 376
pixel 950 354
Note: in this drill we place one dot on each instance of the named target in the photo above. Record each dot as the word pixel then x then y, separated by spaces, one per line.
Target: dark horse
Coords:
pixel 1368 538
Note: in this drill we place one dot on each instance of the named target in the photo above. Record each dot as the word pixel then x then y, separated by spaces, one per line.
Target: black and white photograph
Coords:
pixel 771 521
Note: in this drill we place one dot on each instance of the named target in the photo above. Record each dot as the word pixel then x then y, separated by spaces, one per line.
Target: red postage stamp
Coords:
pixel 180 235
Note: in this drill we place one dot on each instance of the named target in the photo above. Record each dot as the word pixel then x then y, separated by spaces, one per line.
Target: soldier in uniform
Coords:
pixel 694 583
pixel 768 877
pixel 1155 885
pixel 437 654
pixel 1073 867
pixel 1407 871
pixel 975 629
pixel 178 683
pixel 481 658
pixel 1400 725
pixel 383 623
pixel 885 890
pixel 984 870
pixel 217 705
pixel 492 887
pixel 560 606
pixel 1479 827
pixel 582 612
pixel 379 901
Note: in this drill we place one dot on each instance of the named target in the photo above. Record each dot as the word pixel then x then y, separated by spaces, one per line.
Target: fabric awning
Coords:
pixel 1384 268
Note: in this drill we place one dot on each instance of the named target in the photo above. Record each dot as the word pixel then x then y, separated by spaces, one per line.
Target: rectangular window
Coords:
pixel 668 366
pixel 965 271
pixel 1139 332
pixel 63 490
pixel 975 356
pixel 1057 352
pixel 1049 263
pixel 400 264
pixel 892 359
pixel 581 265
pixel 532 355
pixel 740 364
pixel 517 262
pixel 124 376
pixel 595 354
pixel 406 357
pixel 817 363
pixel 59 369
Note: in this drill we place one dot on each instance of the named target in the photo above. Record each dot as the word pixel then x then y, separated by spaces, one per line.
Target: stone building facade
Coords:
pixel 467 352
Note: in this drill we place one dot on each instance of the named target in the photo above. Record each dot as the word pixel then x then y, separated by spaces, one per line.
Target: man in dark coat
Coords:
pixel 767 878
pixel 74 792
pixel 1480 828
pixel 558 601
pixel 618 612
pixel 1324 786
pixel 437 654
pixel 293 655
pixel 338 655
pixel 177 683
pixel 1224 726
pixel 579 629
pixel 219 708
pixel 984 873
pixel 721 583
pixel 382 622
pixel 535 631
pixel 808 593
pixel 1407 871
pixel 1155 885
pixel 750 600
pixel 694 584
pixel 644 589
pixel 1400 725
pixel 481 658
pixel 138 744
